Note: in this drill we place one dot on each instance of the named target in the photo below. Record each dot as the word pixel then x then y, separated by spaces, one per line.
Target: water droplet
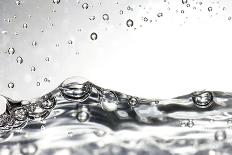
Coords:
pixel 19 60
pixel 56 1
pixel 47 59
pixel 25 25
pixel 70 42
pixel 100 133
pixel 37 83
pixel 229 18
pixel 20 114
pixel 11 51
pixel 93 36
pixel 85 6
pixel 18 2
pixel 133 101
pixel 220 135
pixel 210 9
pixel 129 23
pixel 11 85
pixel 28 149
pixel 105 17
pixel 34 43
pixel 160 14
pixel 109 101
pixel 76 88
pixel 202 99
pixel 33 68
pixel 182 11
pixel 145 19
pixel 184 1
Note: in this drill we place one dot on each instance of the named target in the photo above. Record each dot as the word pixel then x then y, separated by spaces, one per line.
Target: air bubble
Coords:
pixel 37 83
pixel 20 114
pixel 18 2
pixel 11 85
pixel 85 6
pixel 11 51
pixel 160 14
pixel 33 68
pixel 19 60
pixel 109 101
pixel 92 18
pixel 34 43
pixel 202 99
pixel 25 25
pixel 133 101
pixel 184 1
pixel 190 123
pixel 93 36
pixel 56 1
pixel 210 9
pixel 129 23
pixel 47 59
pixel 70 42
pixel 105 17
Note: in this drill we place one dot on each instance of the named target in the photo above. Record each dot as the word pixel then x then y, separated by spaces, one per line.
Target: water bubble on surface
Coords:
pixel 210 9
pixel 105 17
pixel 56 1
pixel 11 51
pixel 92 18
pixel 190 123
pixel 99 133
pixel 85 6
pixel 133 101
pixel 75 88
pixel 129 23
pixel 70 42
pixel 202 99
pixel 93 36
pixel 19 60
pixel 229 18
pixel 34 43
pixel 28 149
pixel 48 104
pixel 108 101
pixel 83 114
pixel 47 59
pixel 37 83
pixel 25 25
pixel 20 114
pixel 11 85
pixel 220 135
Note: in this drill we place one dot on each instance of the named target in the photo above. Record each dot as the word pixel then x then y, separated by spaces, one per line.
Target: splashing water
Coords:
pixel 80 114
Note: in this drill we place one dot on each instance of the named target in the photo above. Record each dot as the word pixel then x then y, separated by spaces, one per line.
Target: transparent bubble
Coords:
pixel 92 18
pixel 129 23
pixel 56 1
pixel 210 9
pixel 18 2
pixel 37 83
pixel 160 14
pixel 85 6
pixel 145 19
pixel 202 99
pixel 70 42
pixel 83 114
pixel 105 17
pixel 25 25
pixel 184 1
pixel 33 68
pixel 47 59
pixel 121 12
pixel 11 51
pixel 20 114
pixel 190 123
pixel 28 149
pixel 109 101
pixel 34 43
pixel 220 135
pixel 11 85
pixel 229 18
pixel 19 60
pixel 48 104
pixel 93 36
pixel 133 101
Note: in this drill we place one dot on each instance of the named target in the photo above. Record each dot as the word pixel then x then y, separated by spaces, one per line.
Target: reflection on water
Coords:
pixel 79 117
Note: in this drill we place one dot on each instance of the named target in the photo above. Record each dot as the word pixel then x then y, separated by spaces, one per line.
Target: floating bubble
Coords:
pixel 85 6
pixel 25 25
pixel 229 18
pixel 48 104
pixel 220 135
pixel 100 133
pixel 129 23
pixel 37 83
pixel 121 12
pixel 202 99
pixel 190 123
pixel 92 18
pixel 11 85
pixel 47 59
pixel 105 17
pixel 210 9
pixel 93 36
pixel 33 68
pixel 184 1
pixel 18 2
pixel 70 42
pixel 109 101
pixel 83 114
pixel 11 51
pixel 56 1
pixel 160 14
pixel 19 60
pixel 75 88
pixel 34 43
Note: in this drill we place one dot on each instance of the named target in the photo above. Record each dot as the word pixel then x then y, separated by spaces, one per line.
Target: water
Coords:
pixel 81 117
pixel 143 48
